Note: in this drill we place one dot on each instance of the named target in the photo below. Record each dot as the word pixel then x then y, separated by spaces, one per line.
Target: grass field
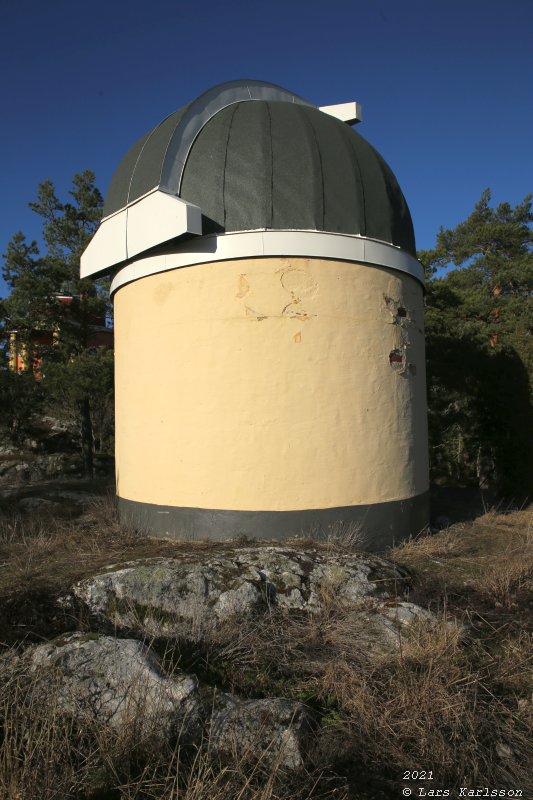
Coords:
pixel 456 701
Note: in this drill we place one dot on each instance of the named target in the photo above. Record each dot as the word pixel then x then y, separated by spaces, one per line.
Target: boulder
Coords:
pixel 120 684
pixel 195 592
pixel 117 682
pixel 22 471
pixel 274 731
pixel 30 504
pixel 407 614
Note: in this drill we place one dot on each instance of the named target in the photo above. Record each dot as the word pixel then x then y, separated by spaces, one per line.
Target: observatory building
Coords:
pixel 270 375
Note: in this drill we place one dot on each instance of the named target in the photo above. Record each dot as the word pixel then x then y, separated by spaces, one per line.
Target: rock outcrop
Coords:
pixel 274 730
pixel 194 593
pixel 118 682
pixel 197 598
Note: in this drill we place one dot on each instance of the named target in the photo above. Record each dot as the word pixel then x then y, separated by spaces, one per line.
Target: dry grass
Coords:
pixel 454 700
pixel 440 704
pixel 486 564
pixel 42 556
pixel 339 536
pixel 502 583
pixel 47 754
pixel 37 752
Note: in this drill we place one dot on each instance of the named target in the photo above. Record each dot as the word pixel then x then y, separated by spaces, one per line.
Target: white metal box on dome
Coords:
pixel 270 368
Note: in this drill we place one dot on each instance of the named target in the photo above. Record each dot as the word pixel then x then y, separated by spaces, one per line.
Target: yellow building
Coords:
pixel 269 250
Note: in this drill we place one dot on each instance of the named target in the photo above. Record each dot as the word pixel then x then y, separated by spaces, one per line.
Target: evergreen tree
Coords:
pixel 479 324
pixel 20 397
pixel 38 279
pixel 86 379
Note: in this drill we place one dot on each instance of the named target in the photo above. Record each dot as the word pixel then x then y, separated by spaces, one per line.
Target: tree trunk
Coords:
pixel 86 428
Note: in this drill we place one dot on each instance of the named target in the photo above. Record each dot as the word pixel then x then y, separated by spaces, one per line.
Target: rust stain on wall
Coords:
pixel 243 287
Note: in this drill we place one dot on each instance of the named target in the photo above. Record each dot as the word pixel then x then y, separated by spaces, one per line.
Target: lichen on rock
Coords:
pixel 117 682
pixel 274 730
pixel 193 593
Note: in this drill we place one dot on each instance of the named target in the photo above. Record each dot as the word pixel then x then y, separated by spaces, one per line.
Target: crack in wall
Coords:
pixel 263 297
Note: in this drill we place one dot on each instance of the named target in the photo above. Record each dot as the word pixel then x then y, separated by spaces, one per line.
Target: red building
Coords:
pixel 24 355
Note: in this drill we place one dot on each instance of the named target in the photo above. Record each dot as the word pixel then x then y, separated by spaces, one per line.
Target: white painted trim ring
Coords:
pixel 254 244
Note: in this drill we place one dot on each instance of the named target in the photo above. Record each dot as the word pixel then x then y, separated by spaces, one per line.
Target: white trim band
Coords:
pixel 254 244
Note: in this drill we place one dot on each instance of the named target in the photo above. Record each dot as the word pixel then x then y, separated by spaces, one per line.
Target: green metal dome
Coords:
pixel 254 156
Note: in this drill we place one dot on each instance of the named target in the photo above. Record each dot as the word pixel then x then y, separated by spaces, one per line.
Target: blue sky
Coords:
pixel 446 87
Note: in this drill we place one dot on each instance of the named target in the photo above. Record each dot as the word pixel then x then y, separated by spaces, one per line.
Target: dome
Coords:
pixel 252 156
pixel 268 314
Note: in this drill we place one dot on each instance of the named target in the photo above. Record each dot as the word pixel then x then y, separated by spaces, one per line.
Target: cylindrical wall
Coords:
pixel 266 395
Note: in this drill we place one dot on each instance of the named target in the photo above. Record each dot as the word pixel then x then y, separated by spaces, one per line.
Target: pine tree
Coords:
pixel 38 279
pixel 480 347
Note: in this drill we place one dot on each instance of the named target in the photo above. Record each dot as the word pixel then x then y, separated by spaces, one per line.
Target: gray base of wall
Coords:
pixel 376 526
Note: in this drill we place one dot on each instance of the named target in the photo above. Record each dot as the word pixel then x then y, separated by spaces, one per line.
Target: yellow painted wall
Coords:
pixel 266 384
